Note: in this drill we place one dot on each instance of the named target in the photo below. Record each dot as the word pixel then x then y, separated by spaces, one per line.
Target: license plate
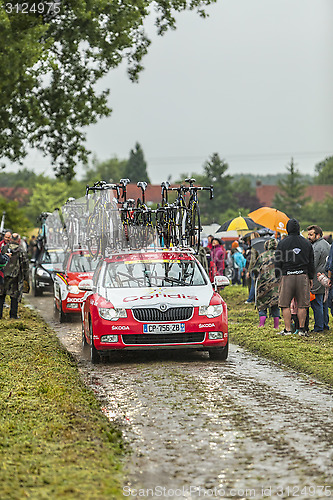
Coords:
pixel 164 328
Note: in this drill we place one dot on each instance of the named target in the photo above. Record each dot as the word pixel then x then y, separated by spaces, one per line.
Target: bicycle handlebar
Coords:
pixel 142 185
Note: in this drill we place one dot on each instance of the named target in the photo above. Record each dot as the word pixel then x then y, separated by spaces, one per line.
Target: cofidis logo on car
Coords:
pixel 159 293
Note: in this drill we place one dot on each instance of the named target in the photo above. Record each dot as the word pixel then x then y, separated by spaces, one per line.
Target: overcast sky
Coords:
pixel 253 82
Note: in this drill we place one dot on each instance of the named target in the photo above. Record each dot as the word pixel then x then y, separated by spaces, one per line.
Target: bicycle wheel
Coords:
pixel 94 235
pixel 71 234
pixel 195 227
pixel 180 226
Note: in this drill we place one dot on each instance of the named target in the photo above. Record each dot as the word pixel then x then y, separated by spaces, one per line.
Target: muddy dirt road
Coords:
pixel 243 428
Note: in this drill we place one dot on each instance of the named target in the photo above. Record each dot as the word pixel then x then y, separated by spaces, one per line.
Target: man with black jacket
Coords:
pixel 294 266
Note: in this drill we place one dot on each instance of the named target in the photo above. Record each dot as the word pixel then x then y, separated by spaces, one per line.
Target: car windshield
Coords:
pixel 153 273
pixel 82 263
pixel 52 257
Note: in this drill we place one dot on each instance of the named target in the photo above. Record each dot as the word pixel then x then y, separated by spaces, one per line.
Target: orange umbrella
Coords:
pixel 271 218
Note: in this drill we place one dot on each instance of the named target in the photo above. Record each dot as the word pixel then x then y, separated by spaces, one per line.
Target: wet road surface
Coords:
pixel 244 428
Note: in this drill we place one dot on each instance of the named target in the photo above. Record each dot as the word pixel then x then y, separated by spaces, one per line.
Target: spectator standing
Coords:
pixel 329 270
pixel 321 250
pixel 210 239
pixel 239 263
pixel 32 247
pixel 4 258
pixel 218 254
pixel 294 268
pixel 253 258
pixel 267 285
pixel 15 273
pixel 6 239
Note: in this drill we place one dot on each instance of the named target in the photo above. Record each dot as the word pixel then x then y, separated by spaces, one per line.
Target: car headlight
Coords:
pixel 112 314
pixel 211 311
pixel 73 289
pixel 41 272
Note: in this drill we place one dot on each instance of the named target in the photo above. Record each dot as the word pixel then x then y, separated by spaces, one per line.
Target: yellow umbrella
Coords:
pixel 271 218
pixel 239 224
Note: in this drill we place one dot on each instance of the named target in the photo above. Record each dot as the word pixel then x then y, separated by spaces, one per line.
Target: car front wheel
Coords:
pixel 63 317
pixel 94 355
pixel 37 291
pixel 219 353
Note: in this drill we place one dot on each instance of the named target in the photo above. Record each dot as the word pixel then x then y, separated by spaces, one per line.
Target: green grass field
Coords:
pixel 54 440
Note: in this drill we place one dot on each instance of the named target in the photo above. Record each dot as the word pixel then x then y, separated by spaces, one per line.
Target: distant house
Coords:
pixel 19 194
pixel 266 194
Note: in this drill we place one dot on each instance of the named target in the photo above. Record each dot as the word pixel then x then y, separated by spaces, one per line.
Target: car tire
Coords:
pixel 94 355
pixel 84 340
pixel 36 291
pixel 63 317
pixel 219 353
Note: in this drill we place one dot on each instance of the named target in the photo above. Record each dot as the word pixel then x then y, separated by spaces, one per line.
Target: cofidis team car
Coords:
pixel 153 300
pixel 77 266
pixel 41 270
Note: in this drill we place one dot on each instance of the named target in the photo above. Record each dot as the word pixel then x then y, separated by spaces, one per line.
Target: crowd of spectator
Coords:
pixel 291 274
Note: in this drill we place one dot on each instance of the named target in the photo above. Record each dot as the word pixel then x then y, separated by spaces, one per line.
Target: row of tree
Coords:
pixel 232 194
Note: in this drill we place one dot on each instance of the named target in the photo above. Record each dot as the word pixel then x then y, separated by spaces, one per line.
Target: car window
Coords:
pixel 166 273
pixel 52 257
pixel 82 263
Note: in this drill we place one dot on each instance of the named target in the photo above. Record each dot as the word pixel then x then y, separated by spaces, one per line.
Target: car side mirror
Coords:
pixel 86 285
pixel 220 282
pixel 32 261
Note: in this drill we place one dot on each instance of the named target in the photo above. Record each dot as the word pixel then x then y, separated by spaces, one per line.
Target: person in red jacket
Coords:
pixel 6 239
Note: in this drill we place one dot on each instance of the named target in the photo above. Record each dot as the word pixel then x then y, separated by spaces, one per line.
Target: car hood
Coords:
pixel 79 276
pixel 144 297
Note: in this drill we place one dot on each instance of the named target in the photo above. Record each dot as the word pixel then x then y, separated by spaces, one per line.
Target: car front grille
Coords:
pixel 157 338
pixel 154 314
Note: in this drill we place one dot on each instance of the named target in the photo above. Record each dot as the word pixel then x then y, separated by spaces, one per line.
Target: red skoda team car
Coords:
pixel 77 266
pixel 153 300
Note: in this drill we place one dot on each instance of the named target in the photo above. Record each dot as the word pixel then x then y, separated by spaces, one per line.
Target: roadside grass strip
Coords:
pixel 54 440
pixel 311 355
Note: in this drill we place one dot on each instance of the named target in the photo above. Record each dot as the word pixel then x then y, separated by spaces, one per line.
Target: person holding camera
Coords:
pixel 16 275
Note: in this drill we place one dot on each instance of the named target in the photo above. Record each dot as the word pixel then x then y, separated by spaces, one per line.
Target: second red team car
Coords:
pixel 77 266
pixel 153 300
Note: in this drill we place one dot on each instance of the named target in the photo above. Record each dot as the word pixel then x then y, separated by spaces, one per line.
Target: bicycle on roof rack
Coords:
pixel 109 222
pixel 193 222
pixel 102 224
pixel 42 231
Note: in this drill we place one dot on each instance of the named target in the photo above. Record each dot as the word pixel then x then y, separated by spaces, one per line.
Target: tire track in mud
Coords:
pixel 192 423
pixel 196 425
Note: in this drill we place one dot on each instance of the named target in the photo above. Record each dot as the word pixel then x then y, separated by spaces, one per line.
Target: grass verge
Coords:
pixel 311 355
pixel 54 440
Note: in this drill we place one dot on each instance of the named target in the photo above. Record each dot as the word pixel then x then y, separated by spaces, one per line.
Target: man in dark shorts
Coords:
pixel 294 267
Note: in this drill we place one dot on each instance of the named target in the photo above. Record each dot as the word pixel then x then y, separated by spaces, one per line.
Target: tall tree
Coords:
pixel 15 217
pixel 47 197
pixel 215 173
pixel 136 167
pixel 324 171
pixel 51 62
pixel 111 170
pixel 245 194
pixel 291 199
